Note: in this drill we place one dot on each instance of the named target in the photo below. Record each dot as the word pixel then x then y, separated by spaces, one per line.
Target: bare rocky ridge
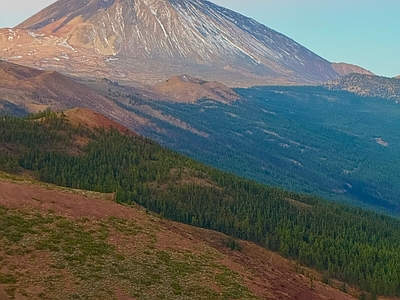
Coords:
pixel 344 69
pixel 24 89
pixel 185 88
pixel 152 40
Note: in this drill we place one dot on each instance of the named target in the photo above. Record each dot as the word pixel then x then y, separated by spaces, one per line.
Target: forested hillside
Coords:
pixel 368 85
pixel 356 246
pixel 334 144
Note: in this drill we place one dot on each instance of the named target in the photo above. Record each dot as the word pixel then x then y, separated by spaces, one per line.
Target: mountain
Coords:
pixel 27 90
pixel 368 85
pixel 344 69
pixel 152 40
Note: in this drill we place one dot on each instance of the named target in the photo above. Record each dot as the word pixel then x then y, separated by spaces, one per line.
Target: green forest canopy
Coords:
pixel 334 144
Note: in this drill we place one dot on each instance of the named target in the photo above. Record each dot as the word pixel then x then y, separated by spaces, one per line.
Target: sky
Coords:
pixel 360 32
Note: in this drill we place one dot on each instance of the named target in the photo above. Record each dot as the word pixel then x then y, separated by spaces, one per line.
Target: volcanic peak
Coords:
pixel 162 38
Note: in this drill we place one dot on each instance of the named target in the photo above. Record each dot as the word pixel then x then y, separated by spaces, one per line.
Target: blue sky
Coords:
pixel 361 32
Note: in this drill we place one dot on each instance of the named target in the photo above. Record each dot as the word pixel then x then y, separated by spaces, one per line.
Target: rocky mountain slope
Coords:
pixel 152 40
pixel 344 69
pixel 368 85
pixel 24 89
pixel 189 89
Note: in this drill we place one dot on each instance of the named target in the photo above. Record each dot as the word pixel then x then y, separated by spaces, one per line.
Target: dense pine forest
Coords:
pixel 334 144
pixel 353 245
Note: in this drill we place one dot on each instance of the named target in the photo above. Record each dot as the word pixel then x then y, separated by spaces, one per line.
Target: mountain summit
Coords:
pixel 163 38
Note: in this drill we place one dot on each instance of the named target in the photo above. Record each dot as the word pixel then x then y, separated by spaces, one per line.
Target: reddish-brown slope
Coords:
pixel 344 69
pixel 189 89
pixel 35 90
pixel 91 119
pixel 265 274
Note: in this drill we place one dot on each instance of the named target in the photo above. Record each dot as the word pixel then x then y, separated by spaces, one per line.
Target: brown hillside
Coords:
pixel 35 90
pixel 91 119
pixel 344 69
pixel 143 256
pixel 185 88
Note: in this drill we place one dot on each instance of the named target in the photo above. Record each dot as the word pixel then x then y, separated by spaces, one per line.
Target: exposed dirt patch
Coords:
pixel 187 177
pixel 3 294
pixel 298 203
pixel 382 142
pixel 121 295
pixel 28 197
pixel 171 120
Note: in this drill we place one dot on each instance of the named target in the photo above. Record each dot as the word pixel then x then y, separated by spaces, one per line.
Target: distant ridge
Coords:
pixel 32 90
pixel 368 85
pixel 186 88
pixel 344 69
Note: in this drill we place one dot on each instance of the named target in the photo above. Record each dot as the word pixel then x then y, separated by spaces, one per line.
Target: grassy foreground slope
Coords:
pixel 355 246
pixel 59 243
